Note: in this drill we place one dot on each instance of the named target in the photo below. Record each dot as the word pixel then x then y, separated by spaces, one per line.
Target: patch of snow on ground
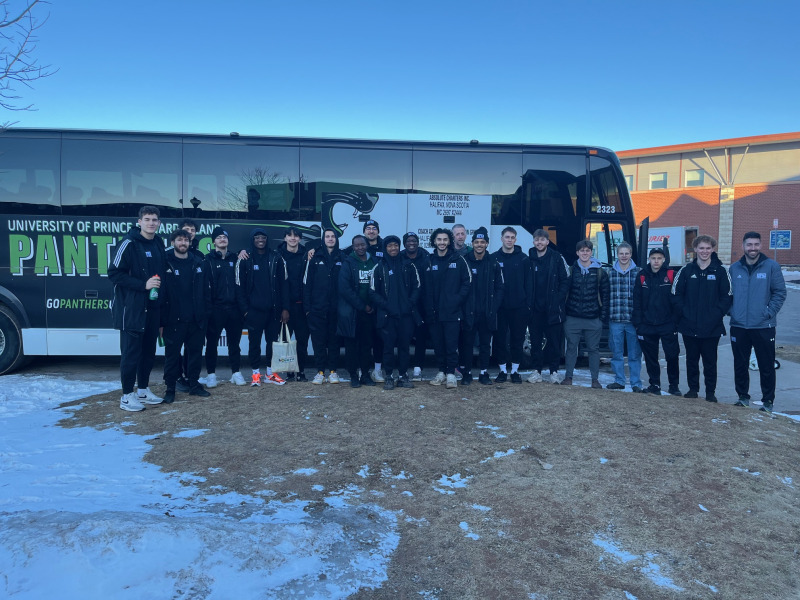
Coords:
pixel 703 508
pixel 748 471
pixel 452 481
pixel 499 454
pixel 645 564
pixel 190 433
pixel 84 516
pixel 465 527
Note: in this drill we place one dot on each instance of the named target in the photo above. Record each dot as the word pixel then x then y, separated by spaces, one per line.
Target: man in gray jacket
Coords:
pixel 758 295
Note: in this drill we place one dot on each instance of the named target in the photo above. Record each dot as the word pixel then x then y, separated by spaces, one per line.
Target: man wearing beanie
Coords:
pixel 225 314
pixel 480 314
pixel 421 259
pixel 394 290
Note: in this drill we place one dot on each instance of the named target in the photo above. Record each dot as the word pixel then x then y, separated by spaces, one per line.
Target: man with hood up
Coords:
pixel 759 292
pixel 262 293
pixel 138 268
pixel 449 283
pixel 294 254
pixel 702 291
pixel 320 301
pixel 656 319
pixel 356 316
pixel 480 314
pixel 394 291
pixel 587 308
pixel 512 318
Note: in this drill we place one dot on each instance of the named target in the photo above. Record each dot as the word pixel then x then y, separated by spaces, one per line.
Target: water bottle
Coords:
pixel 154 291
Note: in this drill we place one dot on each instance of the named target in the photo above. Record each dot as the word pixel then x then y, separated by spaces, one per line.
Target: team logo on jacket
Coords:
pixel 199 269
pixel 177 272
pixel 761 275
pixel 147 254
pixel 474 270
pixel 255 268
pixel 499 263
pixel 712 277
pixel 338 263
pixel 391 272
pixel 434 267
pixel 231 263
pixel 452 266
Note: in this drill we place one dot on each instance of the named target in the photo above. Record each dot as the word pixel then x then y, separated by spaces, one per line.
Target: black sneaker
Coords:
pixel 388 384
pixel 169 396
pixel 484 379
pixel 673 390
pixel 301 377
pixel 502 377
pixel 516 377
pixel 367 380
pixel 691 394
pixel 637 390
pixel 615 386
pixel 654 389
pixel 767 408
pixel 200 391
pixel 743 401
pixel 290 377
pixel 466 378
pixel 182 385
pixel 404 382
pixel 710 397
pixel 354 382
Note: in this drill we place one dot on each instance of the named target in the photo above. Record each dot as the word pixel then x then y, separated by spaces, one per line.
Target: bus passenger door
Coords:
pixel 644 235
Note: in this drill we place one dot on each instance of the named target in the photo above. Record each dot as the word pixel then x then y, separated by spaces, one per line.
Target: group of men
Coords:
pixel 378 298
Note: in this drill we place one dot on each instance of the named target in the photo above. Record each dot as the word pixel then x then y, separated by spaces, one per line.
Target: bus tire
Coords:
pixel 11 355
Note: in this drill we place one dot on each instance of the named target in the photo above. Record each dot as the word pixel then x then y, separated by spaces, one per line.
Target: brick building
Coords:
pixel 723 187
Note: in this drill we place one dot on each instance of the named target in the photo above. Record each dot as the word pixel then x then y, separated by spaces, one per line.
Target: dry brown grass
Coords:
pixel 589 468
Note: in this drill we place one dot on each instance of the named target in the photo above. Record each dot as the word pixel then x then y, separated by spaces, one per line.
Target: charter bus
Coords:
pixel 68 197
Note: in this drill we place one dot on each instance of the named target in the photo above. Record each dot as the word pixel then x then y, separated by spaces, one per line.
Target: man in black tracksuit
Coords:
pixel 422 261
pixel 394 291
pixel 448 288
pixel 294 254
pixel 702 291
pixel 187 304
pixel 356 317
pixel 320 301
pixel 225 313
pixel 262 293
pixel 655 318
pixel 480 313
pixel 550 285
pixel 512 318
pixel 138 267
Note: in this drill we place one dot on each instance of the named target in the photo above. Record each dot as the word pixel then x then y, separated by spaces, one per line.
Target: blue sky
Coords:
pixel 624 75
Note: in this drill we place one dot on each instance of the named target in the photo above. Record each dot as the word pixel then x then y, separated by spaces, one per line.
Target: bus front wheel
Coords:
pixel 11 356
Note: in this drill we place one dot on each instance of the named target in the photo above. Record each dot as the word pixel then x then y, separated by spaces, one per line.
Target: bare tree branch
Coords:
pixel 18 65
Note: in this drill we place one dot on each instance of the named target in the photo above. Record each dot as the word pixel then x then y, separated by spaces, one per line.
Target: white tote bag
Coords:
pixel 284 352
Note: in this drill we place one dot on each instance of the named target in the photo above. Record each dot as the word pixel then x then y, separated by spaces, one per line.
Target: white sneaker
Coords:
pixel 211 380
pixel 237 378
pixel 145 396
pixel 130 403
pixel 319 379
pixel 452 382
pixel 377 376
pixel 439 379
pixel 555 378
pixel 417 376
pixel 535 377
pixel 202 380
pixel 333 377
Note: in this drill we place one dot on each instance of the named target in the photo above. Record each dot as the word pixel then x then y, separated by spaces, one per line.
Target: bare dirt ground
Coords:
pixel 531 491
pixel 788 352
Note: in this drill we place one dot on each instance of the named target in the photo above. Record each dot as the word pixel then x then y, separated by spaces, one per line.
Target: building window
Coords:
pixel 695 177
pixel 658 181
pixel 629 182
